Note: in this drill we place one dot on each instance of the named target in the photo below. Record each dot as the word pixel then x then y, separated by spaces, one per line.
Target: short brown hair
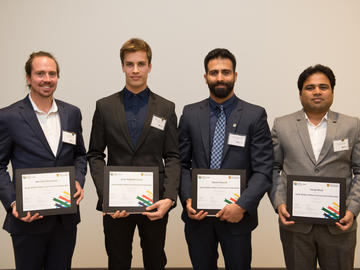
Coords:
pixel 28 64
pixel 134 45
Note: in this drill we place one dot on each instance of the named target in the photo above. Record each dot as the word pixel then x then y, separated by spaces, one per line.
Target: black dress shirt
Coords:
pixel 135 112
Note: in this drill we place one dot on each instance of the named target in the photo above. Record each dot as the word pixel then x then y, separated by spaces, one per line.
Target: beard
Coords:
pixel 221 89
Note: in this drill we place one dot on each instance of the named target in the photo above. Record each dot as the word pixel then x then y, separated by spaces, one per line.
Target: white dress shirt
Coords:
pixel 50 124
pixel 317 134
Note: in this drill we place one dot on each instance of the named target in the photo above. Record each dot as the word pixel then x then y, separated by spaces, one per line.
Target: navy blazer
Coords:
pixel 256 157
pixel 22 141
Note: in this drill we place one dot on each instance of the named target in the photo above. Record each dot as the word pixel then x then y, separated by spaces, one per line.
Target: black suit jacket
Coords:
pixel 256 157
pixel 155 147
pixel 22 141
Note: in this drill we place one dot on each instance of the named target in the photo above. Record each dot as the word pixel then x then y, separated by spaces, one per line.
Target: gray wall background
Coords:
pixel 273 42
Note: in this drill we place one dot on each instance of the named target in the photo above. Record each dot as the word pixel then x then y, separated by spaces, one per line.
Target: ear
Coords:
pixel 28 80
pixel 235 75
pixel 205 77
pixel 150 66
pixel 122 67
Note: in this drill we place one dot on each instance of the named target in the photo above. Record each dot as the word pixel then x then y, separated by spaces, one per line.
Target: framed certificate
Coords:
pixel 214 189
pixel 130 188
pixel 316 199
pixel 47 191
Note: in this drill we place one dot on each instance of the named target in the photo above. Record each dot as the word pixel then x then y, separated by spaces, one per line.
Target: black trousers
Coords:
pixel 49 251
pixel 119 235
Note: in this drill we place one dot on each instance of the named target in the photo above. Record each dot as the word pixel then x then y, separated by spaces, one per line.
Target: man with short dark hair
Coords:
pixel 32 136
pixel 123 123
pixel 224 132
pixel 317 142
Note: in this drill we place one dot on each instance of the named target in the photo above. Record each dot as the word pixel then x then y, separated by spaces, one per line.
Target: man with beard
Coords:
pixel 224 132
pixel 317 142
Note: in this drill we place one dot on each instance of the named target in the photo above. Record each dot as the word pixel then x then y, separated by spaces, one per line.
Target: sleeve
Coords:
pixel 278 190
pixel 171 158
pixel 261 162
pixel 80 154
pixel 95 155
pixel 185 147
pixel 353 199
pixel 7 187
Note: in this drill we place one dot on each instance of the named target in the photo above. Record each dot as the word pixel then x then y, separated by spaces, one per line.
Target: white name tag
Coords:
pixel 341 145
pixel 69 137
pixel 237 140
pixel 158 122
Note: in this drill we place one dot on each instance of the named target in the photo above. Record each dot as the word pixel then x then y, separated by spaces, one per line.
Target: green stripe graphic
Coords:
pixel 330 213
pixel 142 200
pixel 61 202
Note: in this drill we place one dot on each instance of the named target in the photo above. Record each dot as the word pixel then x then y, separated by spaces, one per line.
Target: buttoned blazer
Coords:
pixel 22 141
pixel 155 147
pixel 294 156
pixel 256 156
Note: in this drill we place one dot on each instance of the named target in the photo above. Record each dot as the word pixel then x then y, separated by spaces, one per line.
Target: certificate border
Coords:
pixel 303 178
pixel 45 212
pixel 130 209
pixel 196 172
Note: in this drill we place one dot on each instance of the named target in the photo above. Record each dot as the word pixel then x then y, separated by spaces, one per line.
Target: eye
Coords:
pixel 142 64
pixel 52 74
pixel 129 64
pixel 309 87
pixel 324 86
pixel 226 72
pixel 213 72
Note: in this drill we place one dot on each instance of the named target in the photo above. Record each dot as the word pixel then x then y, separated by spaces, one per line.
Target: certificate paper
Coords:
pixel 47 191
pixel 317 199
pixel 214 189
pixel 130 188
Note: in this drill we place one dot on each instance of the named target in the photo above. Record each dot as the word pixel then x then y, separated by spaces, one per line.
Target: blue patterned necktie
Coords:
pixel 218 140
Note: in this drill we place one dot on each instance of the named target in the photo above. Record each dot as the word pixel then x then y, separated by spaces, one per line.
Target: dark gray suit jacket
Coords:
pixel 155 147
pixel 294 156
pixel 256 157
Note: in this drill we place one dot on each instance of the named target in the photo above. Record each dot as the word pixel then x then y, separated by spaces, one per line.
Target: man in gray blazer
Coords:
pixel 307 143
pixel 124 124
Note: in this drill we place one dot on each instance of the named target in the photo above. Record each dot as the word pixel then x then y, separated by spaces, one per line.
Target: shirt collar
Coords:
pixel 142 95
pixel 226 104
pixel 53 109
pixel 324 119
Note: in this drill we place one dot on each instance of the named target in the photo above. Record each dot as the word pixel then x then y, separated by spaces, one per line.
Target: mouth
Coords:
pixel 135 78
pixel 317 100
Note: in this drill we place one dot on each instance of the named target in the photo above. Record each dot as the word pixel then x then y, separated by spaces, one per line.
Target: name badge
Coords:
pixel 158 122
pixel 341 145
pixel 237 140
pixel 69 137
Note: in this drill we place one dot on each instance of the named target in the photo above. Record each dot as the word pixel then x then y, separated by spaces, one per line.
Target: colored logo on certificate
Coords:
pixel 145 199
pixel 331 212
pixel 63 200
pixel 232 199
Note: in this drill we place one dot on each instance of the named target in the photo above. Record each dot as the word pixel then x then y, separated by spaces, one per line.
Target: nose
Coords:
pixel 220 77
pixel 317 90
pixel 136 68
pixel 46 77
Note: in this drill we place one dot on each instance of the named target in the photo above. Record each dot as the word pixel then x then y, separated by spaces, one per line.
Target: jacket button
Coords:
pixel 316 170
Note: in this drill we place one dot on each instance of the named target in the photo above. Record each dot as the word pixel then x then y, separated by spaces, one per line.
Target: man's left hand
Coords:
pixel 231 213
pixel 346 222
pixel 162 207
pixel 79 193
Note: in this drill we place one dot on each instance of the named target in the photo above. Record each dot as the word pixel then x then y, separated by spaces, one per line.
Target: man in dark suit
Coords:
pixel 224 132
pixel 124 124
pixel 317 142
pixel 33 135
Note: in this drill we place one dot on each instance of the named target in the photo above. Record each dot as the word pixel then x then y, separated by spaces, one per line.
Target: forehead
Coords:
pixel 43 63
pixel 138 56
pixel 220 64
pixel 317 78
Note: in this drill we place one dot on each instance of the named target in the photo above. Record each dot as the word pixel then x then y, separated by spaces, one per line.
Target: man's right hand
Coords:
pixel 192 213
pixel 284 214
pixel 118 214
pixel 28 218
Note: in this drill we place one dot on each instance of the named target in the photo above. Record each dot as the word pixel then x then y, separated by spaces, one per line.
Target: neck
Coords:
pixel 315 118
pixel 136 90
pixel 43 103
pixel 221 100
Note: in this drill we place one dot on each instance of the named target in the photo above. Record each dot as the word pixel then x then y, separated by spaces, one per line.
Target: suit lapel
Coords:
pixel 330 135
pixel 29 115
pixel 303 133
pixel 63 115
pixel 121 116
pixel 203 120
pixel 151 108
pixel 232 123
